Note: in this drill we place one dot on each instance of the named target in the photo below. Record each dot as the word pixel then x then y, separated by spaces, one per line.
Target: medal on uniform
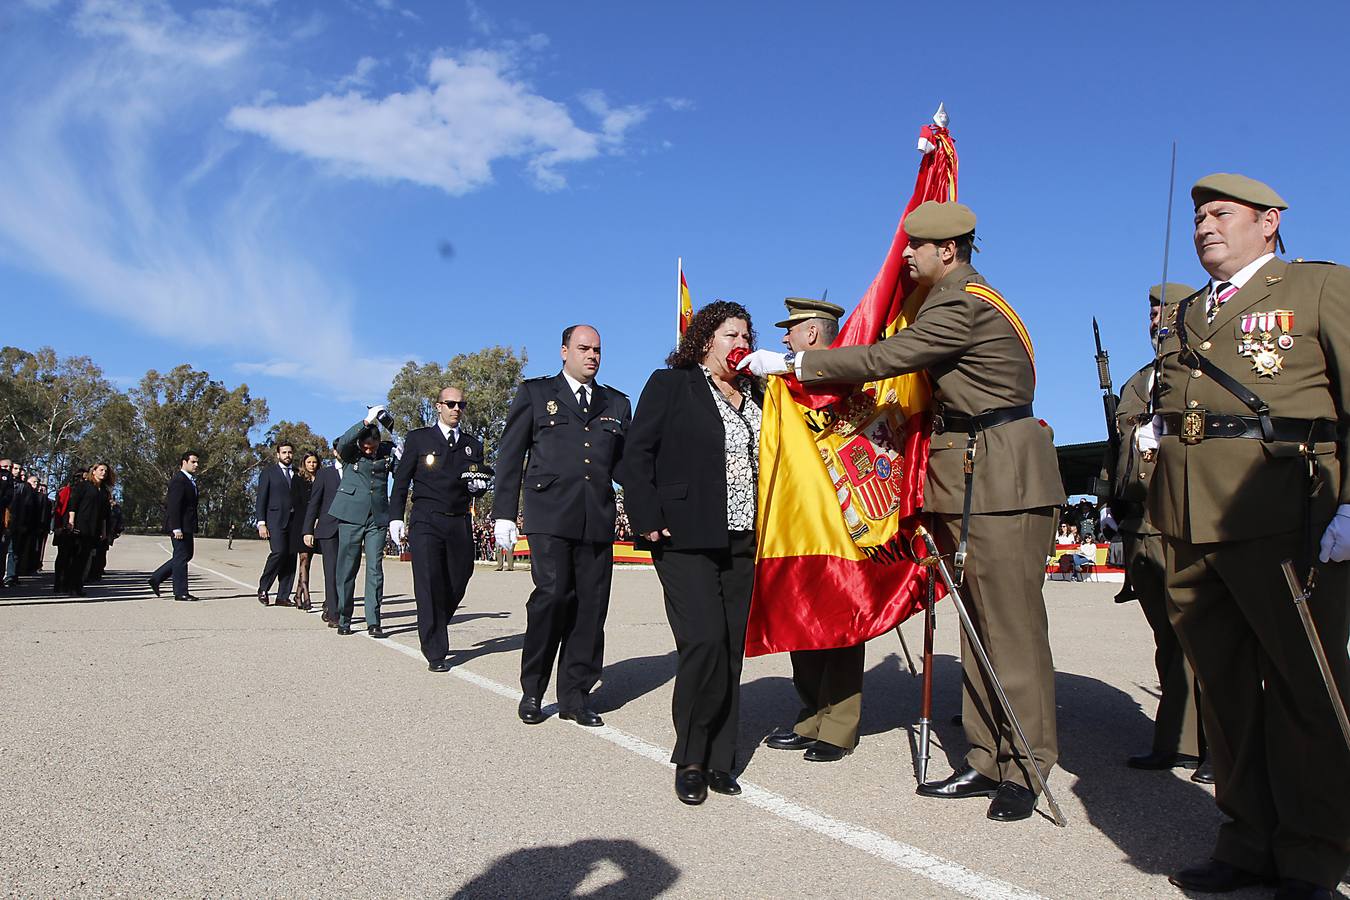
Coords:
pixel 1267 363
pixel 1284 319
pixel 431 459
pixel 551 407
pixel 473 467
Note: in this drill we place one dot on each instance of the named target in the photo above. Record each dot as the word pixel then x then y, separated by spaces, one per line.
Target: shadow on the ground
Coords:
pixel 608 870
pixel 631 679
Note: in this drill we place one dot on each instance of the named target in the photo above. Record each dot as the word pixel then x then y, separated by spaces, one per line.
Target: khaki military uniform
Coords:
pixel 977 364
pixel 1176 728
pixel 1230 509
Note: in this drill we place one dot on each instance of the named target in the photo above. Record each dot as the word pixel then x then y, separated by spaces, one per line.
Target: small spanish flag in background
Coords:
pixel 686 302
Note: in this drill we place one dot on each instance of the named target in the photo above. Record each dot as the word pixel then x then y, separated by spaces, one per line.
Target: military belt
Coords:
pixel 944 420
pixel 1197 425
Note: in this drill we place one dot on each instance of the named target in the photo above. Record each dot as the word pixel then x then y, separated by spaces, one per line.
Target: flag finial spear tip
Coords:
pixel 940 118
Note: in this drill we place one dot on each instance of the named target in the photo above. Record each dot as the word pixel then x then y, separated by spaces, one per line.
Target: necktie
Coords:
pixel 287 470
pixel 1218 297
pixel 581 398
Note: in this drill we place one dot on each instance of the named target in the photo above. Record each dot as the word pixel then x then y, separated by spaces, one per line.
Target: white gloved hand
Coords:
pixel 478 485
pixel 372 413
pixel 178 534
pixel 1336 539
pixel 1146 436
pixel 764 362
pixel 506 533
pixel 396 530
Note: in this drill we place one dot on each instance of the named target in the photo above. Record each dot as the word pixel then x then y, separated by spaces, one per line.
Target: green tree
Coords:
pixel 301 436
pixel 47 405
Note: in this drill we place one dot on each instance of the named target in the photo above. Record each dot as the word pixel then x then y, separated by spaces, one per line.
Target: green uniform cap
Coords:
pixel 802 308
pixel 1169 293
pixel 1230 186
pixel 934 221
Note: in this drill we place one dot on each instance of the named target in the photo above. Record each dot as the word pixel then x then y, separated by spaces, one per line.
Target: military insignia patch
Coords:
pixel 468 451
pixel 551 407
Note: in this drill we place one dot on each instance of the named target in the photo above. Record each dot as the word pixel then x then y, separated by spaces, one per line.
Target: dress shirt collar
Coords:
pixel 575 385
pixel 451 435
pixel 1244 275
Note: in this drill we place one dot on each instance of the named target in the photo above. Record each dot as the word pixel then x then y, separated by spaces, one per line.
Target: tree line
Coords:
pixel 61 413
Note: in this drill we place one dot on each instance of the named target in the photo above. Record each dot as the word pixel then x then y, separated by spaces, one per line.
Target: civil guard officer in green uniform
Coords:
pixel 1251 413
pixel 979 357
pixel 361 507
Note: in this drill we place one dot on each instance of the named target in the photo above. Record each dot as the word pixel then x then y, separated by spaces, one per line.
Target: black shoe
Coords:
pixel 438 666
pixel 1294 889
pixel 582 716
pixel 285 602
pixel 188 598
pixel 1204 773
pixel 956 720
pixel 722 783
pixel 262 597
pixel 1215 877
pixel 376 632
pixel 529 710
pixel 1157 761
pixel 964 782
pixel 824 751
pixel 788 740
pixel 154 586
pixel 691 785
pixel 344 630
pixel 332 623
pixel 1012 803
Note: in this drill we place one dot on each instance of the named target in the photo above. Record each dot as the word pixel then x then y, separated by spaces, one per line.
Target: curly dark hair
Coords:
pixel 698 336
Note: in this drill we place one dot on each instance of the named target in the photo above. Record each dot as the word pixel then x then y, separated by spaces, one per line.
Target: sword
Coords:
pixel 1300 595
pixel 926 711
pixel 934 561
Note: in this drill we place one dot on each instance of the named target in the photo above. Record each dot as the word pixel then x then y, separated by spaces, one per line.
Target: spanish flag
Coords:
pixel 842 472
pixel 686 302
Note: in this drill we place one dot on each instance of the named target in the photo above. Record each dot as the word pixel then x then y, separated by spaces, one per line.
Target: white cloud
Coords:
pixel 213 37
pixel 479 20
pixel 473 111
pixel 359 77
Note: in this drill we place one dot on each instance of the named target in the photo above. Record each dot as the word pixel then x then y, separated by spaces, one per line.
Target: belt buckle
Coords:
pixel 939 423
pixel 1193 426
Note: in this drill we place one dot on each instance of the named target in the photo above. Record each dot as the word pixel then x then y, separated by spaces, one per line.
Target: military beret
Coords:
pixel 1230 186
pixel 934 221
pixel 1171 292
pixel 802 308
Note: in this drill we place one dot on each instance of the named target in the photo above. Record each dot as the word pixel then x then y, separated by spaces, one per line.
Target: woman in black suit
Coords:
pixel 87 514
pixel 302 486
pixel 689 470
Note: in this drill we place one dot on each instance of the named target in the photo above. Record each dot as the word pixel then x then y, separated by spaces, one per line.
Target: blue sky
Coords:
pixel 267 189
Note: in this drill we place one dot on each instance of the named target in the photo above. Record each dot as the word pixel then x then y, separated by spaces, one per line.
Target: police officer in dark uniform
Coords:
pixel 572 431
pixel 443 466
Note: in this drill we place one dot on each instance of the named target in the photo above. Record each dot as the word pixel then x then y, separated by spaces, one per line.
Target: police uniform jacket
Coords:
pixel 564 458
pixel 1225 489
pixel 180 505
pixel 363 494
pixel 433 469
pixel 977 364
pixel 1130 472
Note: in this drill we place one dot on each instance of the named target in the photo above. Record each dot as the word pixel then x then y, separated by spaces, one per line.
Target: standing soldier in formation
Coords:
pixel 992 473
pixel 571 429
pixel 1177 736
pixel 1254 385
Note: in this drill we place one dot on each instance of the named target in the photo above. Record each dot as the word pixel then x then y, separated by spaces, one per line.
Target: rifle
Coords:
pixel 1104 487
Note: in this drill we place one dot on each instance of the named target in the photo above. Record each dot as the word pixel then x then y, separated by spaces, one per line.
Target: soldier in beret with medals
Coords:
pixel 1250 417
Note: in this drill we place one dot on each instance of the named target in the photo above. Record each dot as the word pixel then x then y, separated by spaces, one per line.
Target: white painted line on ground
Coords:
pixel 198 565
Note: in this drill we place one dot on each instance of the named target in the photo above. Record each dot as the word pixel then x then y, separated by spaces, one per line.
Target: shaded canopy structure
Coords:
pixel 1079 466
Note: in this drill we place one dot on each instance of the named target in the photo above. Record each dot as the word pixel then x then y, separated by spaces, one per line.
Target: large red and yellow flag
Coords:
pixel 842 471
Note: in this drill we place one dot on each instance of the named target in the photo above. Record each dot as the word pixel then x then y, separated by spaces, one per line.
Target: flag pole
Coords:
pixel 679 296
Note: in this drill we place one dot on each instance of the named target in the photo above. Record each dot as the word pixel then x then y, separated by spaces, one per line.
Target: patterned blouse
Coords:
pixel 742 445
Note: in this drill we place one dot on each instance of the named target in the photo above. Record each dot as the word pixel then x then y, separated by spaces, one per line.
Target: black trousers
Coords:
pixel 708 604
pixel 280 565
pixel 442 563
pixel 565 617
pixel 177 566
pixel 328 549
pixel 83 551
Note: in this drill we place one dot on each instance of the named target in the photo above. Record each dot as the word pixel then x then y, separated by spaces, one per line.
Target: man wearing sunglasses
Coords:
pixel 443 466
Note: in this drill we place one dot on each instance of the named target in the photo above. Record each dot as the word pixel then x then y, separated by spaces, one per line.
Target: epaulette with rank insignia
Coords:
pixel 1315 262
pixel 537 378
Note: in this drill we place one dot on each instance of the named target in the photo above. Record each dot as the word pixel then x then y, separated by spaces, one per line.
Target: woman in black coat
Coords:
pixel 87 515
pixel 302 486
pixel 689 476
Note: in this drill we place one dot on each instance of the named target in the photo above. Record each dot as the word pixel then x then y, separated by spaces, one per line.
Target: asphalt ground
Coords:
pixel 151 749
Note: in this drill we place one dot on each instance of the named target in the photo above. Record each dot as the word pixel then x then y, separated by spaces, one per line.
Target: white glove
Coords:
pixel 1336 539
pixel 764 362
pixel 1146 436
pixel 477 485
pixel 396 530
pixel 178 534
pixel 372 413
pixel 506 533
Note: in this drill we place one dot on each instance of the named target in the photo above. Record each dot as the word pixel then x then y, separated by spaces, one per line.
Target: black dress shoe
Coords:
pixel 691 785
pixel 1155 761
pixel 188 598
pixel 332 623
pixel 375 631
pixel 529 710
pixel 344 630
pixel 286 602
pixel 723 783
pixel 1215 877
pixel 154 586
pixel 788 740
pixel 964 782
pixel 438 666
pixel 1204 773
pixel 1294 889
pixel 824 751
pixel 1012 803
pixel 262 597
pixel 582 717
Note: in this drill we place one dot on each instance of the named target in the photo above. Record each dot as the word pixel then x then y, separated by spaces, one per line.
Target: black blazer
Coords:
pixel 274 498
pixel 180 507
pixel 436 473
pixel 326 483
pixel 91 507
pixel 674 465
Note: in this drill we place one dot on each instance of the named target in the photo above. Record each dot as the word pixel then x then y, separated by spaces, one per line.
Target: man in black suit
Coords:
pixel 320 526
pixel 22 509
pixel 443 466
pixel 274 512
pixel 180 521
pixel 572 431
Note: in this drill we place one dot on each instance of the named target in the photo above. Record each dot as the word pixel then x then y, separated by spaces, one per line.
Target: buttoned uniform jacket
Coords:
pixel 318 516
pixel 976 364
pixel 180 505
pixel 431 469
pixel 363 493
pixel 273 508
pixel 1228 489
pixel 1130 473
pixel 566 459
